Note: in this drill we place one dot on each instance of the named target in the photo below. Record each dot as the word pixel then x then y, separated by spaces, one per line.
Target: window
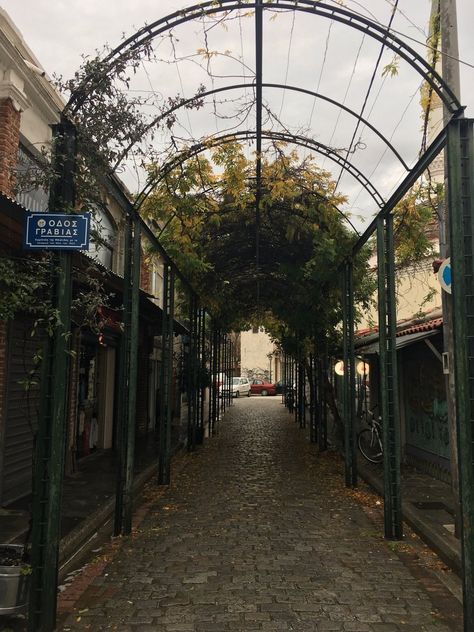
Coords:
pixel 103 237
pixel 29 194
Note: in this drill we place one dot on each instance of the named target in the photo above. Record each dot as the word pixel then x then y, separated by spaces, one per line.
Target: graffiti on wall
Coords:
pixel 426 410
pixel 428 429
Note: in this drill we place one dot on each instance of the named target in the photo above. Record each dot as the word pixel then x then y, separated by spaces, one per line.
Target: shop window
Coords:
pixel 87 426
pixel 28 173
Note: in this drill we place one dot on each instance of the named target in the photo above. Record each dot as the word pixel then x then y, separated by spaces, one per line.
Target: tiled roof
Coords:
pixel 405 328
pixel 428 325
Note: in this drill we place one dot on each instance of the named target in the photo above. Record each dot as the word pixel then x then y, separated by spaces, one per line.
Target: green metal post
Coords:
pixel 219 371
pixel 345 383
pixel 199 356
pixel 229 370
pixel 167 376
pixel 227 363
pixel 123 391
pixel 225 370
pixel 283 377
pixel 301 393
pixel 323 424
pixel 203 373
pixel 312 399
pixel 215 370
pixel 460 159
pixel 227 367
pixel 163 402
pixel 188 368
pixel 212 377
pixel 388 379
pixel 349 379
pixel 295 382
pixel 318 402
pixel 192 375
pixel 223 398
pixel 295 386
pixel 392 455
pixel 132 381
pixel 52 427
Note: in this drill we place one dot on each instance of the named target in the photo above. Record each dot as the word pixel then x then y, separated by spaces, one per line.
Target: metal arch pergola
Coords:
pixel 458 136
pixel 247 86
pixel 284 137
pixel 211 7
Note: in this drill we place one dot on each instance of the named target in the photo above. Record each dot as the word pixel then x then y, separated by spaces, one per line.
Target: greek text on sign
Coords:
pixel 57 231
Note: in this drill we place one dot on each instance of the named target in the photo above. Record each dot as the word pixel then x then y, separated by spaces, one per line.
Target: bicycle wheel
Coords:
pixel 369 445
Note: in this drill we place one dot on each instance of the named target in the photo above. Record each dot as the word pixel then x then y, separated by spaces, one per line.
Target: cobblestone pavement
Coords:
pixel 256 532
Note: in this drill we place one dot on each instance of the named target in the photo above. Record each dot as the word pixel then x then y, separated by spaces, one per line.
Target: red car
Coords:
pixel 260 387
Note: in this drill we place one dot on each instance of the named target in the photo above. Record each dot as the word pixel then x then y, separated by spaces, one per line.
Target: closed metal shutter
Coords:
pixel 21 412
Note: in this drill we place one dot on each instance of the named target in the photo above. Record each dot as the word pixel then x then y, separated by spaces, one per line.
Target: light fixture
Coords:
pixel 339 367
pixel 362 368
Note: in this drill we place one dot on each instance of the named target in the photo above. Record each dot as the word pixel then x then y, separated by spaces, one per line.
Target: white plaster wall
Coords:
pixel 413 286
pixel 254 350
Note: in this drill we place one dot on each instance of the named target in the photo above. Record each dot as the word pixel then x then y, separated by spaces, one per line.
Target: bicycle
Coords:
pixel 369 440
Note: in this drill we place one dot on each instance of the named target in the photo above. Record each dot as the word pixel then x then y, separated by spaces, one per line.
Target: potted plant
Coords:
pixel 14 578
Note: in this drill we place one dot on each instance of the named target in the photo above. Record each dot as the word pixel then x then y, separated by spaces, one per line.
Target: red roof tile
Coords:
pixel 428 325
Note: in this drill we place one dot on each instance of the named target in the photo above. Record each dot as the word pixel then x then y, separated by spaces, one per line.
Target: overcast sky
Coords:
pixel 301 51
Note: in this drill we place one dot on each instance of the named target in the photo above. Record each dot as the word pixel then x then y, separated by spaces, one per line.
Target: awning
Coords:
pixel 401 341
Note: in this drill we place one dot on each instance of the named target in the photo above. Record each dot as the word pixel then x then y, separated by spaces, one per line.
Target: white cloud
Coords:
pixel 59 32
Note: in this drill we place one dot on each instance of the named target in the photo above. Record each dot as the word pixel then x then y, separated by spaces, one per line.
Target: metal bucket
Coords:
pixel 13 585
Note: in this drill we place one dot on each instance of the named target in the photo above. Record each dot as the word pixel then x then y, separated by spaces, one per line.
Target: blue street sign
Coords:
pixel 444 275
pixel 57 231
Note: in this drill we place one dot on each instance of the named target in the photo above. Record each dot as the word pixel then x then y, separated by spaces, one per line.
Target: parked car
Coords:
pixel 281 386
pixel 240 386
pixel 219 380
pixel 260 387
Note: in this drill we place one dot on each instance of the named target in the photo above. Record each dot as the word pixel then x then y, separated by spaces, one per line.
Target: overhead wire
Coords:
pixel 242 58
pixel 287 62
pixel 405 35
pixel 209 72
pixel 371 83
pixel 417 91
pixel 345 94
pixel 180 82
pixel 436 34
pixel 326 48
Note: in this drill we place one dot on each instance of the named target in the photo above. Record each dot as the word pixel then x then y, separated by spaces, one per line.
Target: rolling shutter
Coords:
pixel 21 412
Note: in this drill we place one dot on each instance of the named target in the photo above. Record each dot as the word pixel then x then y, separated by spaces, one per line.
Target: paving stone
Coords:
pixel 256 532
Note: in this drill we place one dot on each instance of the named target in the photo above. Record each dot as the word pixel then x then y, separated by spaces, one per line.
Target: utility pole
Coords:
pixel 450 74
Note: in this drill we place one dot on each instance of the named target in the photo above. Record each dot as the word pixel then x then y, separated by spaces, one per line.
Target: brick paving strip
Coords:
pixel 257 532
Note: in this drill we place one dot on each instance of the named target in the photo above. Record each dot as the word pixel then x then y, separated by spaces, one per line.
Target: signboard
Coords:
pixel 56 231
pixel 444 275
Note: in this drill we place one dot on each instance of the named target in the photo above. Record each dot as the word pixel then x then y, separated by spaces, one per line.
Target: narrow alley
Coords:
pixel 257 532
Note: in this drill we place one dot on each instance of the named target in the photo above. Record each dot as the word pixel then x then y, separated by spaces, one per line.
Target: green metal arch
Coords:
pixel 322 9
pixel 202 146
pixel 207 93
